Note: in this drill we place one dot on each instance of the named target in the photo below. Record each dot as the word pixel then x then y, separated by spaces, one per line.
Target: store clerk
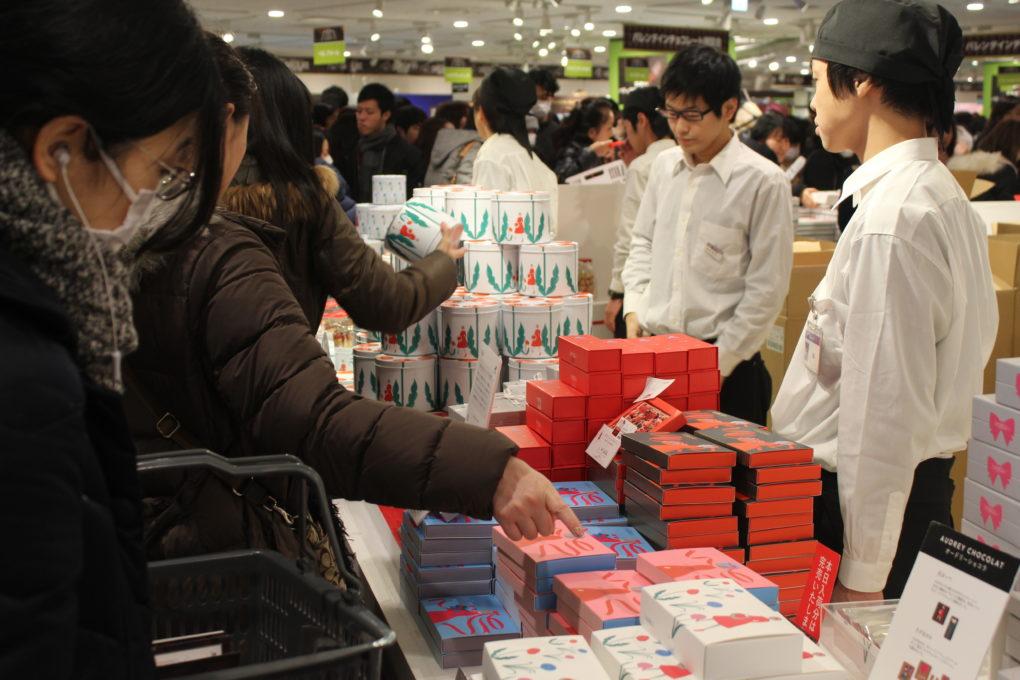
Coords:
pixel 905 317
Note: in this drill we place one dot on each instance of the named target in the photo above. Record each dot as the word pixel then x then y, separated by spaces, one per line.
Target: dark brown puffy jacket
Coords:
pixel 225 348
pixel 323 255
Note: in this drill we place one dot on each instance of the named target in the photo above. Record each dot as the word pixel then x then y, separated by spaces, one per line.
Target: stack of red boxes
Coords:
pixel 678 491
pixel 776 482
pixel 556 412
pixel 594 368
pixel 532 448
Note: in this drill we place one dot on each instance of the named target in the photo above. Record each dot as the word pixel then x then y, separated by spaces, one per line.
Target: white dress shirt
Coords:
pixel 712 250
pixel 637 180
pixel 502 164
pixel 907 318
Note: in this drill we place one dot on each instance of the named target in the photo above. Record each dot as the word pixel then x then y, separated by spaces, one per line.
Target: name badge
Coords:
pixel 813 347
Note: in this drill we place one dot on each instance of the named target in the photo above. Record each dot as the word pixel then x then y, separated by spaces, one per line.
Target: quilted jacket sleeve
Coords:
pixel 282 391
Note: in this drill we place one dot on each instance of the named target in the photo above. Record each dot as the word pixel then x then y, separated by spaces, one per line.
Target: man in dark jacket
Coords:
pixel 381 151
pixel 546 88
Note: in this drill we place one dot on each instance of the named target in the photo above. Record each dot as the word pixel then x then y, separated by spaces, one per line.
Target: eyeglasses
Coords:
pixel 173 182
pixel 690 115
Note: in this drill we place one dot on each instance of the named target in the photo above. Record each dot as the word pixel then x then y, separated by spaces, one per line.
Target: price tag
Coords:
pixel 653 388
pixel 604 446
pixel 812 347
pixel 484 385
pixel 625 426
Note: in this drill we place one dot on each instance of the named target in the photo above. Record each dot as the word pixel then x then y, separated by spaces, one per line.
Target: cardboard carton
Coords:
pixel 604 407
pixel 637 358
pixel 556 400
pixel 555 431
pixel 532 448
pixel 594 383
pixel 569 456
pixel 589 354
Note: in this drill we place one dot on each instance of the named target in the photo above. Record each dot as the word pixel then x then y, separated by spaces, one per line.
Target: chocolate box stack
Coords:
pixel 590 504
pixel 525 571
pixel 678 491
pixel 596 600
pixel 627 542
pixel 691 564
pixel 556 412
pixel 457 628
pixel 776 484
pixel 593 368
pixel 446 557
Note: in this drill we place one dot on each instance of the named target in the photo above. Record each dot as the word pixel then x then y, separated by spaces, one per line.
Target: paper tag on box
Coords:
pixel 484 385
pixel 604 446
pixel 818 591
pixel 653 388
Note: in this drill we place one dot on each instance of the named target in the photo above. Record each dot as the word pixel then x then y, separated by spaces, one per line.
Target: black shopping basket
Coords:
pixel 279 617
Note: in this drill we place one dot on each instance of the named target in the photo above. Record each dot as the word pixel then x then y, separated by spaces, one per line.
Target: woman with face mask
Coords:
pixel 91 145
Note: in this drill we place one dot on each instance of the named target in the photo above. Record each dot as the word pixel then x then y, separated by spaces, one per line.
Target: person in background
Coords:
pixel 458 113
pixel 427 138
pixel 322 254
pixel 827 171
pixel 648 134
pixel 903 322
pixel 586 138
pixel 713 239
pixel 320 147
pixel 546 88
pixel 771 137
pixel 996 159
pixel 381 150
pixel 408 120
pixel 452 157
pixel 91 148
pixel 324 115
pixel 335 96
pixel 505 161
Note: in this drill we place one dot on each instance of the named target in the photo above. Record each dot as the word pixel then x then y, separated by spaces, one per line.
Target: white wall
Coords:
pixel 317 82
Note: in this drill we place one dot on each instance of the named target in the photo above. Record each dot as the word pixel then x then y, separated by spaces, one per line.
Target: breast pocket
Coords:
pixel 718 252
pixel 829 316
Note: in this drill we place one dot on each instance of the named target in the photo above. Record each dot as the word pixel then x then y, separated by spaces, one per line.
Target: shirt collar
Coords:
pixel 874 169
pixel 723 162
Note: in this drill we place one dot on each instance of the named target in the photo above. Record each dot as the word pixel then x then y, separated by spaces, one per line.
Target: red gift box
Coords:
pixel 781 565
pixel 777 551
pixel 556 400
pixel 661 476
pixel 592 384
pixel 701 526
pixel 555 431
pixel 778 535
pixel 700 354
pixel 569 455
pixel 653 415
pixel 682 494
pixel 670 357
pixel 769 492
pixel 757 447
pixel 779 473
pixel 633 386
pixel 708 400
pixel 795 579
pixel 679 403
pixel 718 541
pixel 638 358
pixel 735 554
pixel 746 507
pixel 777 522
pixel 634 497
pixel 558 625
pixel 703 381
pixel 709 420
pixel 590 354
pixel 678 450
pixel 531 448
pixel 604 407
pixel 592 428
pixel 568 474
pixel 680 387
pixel 789 608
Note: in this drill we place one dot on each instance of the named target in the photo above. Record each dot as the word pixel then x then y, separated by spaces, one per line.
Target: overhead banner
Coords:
pixel 995 45
pixel 457 70
pixel 578 63
pixel 636 70
pixel 328 46
pixel 669 39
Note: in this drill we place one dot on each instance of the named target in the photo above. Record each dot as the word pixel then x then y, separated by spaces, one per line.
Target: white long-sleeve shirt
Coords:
pixel 502 164
pixel 908 317
pixel 712 250
pixel 637 180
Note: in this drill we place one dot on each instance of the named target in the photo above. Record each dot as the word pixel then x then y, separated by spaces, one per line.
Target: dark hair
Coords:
pixel 318 138
pixel 589 113
pixel 335 96
pixel 130 78
pixel 646 100
pixel 455 112
pixel 280 140
pixel 427 137
pixel 321 113
pixel 408 116
pixel 1002 107
pixel 238 83
pixel 767 124
pixel 933 102
pixel 544 79
pixel 1004 138
pixel 504 109
pixel 382 95
pixel 702 71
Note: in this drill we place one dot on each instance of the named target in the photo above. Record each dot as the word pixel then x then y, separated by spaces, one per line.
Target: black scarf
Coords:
pixel 372 155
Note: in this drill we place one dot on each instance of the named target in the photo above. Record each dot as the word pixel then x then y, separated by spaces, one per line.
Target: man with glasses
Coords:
pixel 713 239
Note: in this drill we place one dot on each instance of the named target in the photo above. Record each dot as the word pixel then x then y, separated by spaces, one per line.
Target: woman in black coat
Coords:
pixel 89 143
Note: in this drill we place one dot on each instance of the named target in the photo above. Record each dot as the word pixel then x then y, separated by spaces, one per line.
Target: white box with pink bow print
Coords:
pixel 992 511
pixel 996 425
pixel 988 538
pixel 1007 382
pixel 994 468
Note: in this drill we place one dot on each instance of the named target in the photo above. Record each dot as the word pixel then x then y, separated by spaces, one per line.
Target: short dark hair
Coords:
pixel 646 100
pixel 767 124
pixel 1004 138
pixel 455 112
pixel 407 116
pixel 335 95
pixel 382 95
pixel 318 139
pixel 321 113
pixel 933 102
pixel 702 71
pixel 544 79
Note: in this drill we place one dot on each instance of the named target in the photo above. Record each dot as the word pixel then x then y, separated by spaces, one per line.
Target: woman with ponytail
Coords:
pixel 586 137
pixel 506 161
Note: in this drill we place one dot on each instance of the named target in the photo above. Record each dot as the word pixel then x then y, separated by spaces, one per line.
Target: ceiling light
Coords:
pixel 1013 2
pixel 791 59
pixel 228 37
pixel 477 43
pixel 970 79
pixel 609 33
pixel 518 37
pixel 275 13
pixel 774 66
pixel 811 48
pixel 518 21
pixel 706 2
pixel 563 61
pixel 975 6
pixel 575 32
pixel 770 21
pixel 589 26
pixel 974 62
pixel 544 32
pixel 552 45
pixel 377 12
pixel 752 63
pixel 460 23
pixel 599 49
pixel 347 53
pixel 805 72
pixel 427 48
pixel 535 44
pixel 374 37
pixel 623 9
pixel 425 40
pixel 543 52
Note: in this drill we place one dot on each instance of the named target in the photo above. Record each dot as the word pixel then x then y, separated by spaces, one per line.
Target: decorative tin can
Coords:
pixel 364 368
pixel 374 243
pixel 433 196
pixel 549 269
pixel 417 230
pixel 378 219
pixel 420 339
pixel 577 311
pixel 472 208
pixel 361 213
pixel 467 324
pixel 531 328
pixel 455 379
pixel 533 369
pixel 389 189
pixel 361 336
pixel 523 217
pixel 407 381
pixel 490 267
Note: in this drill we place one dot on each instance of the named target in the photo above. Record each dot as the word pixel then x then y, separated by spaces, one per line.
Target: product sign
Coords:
pixel 457 70
pixel 484 385
pixel 818 591
pixel 328 46
pixel 578 63
pixel 635 70
pixel 951 609
pixel 669 39
pixel 993 45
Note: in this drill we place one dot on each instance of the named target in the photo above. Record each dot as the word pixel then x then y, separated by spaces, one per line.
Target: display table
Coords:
pixel 378 558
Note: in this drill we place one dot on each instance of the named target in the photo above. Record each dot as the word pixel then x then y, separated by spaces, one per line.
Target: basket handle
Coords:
pixel 281 465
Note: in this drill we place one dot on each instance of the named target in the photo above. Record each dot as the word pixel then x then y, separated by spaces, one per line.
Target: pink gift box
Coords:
pixel 602 599
pixel 994 468
pixel 991 511
pixel 996 425
pixel 559 553
pixel 704 563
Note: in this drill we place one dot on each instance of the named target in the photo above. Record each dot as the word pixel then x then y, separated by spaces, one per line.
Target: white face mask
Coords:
pixel 792 154
pixel 328 159
pixel 541 109
pixel 847 154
